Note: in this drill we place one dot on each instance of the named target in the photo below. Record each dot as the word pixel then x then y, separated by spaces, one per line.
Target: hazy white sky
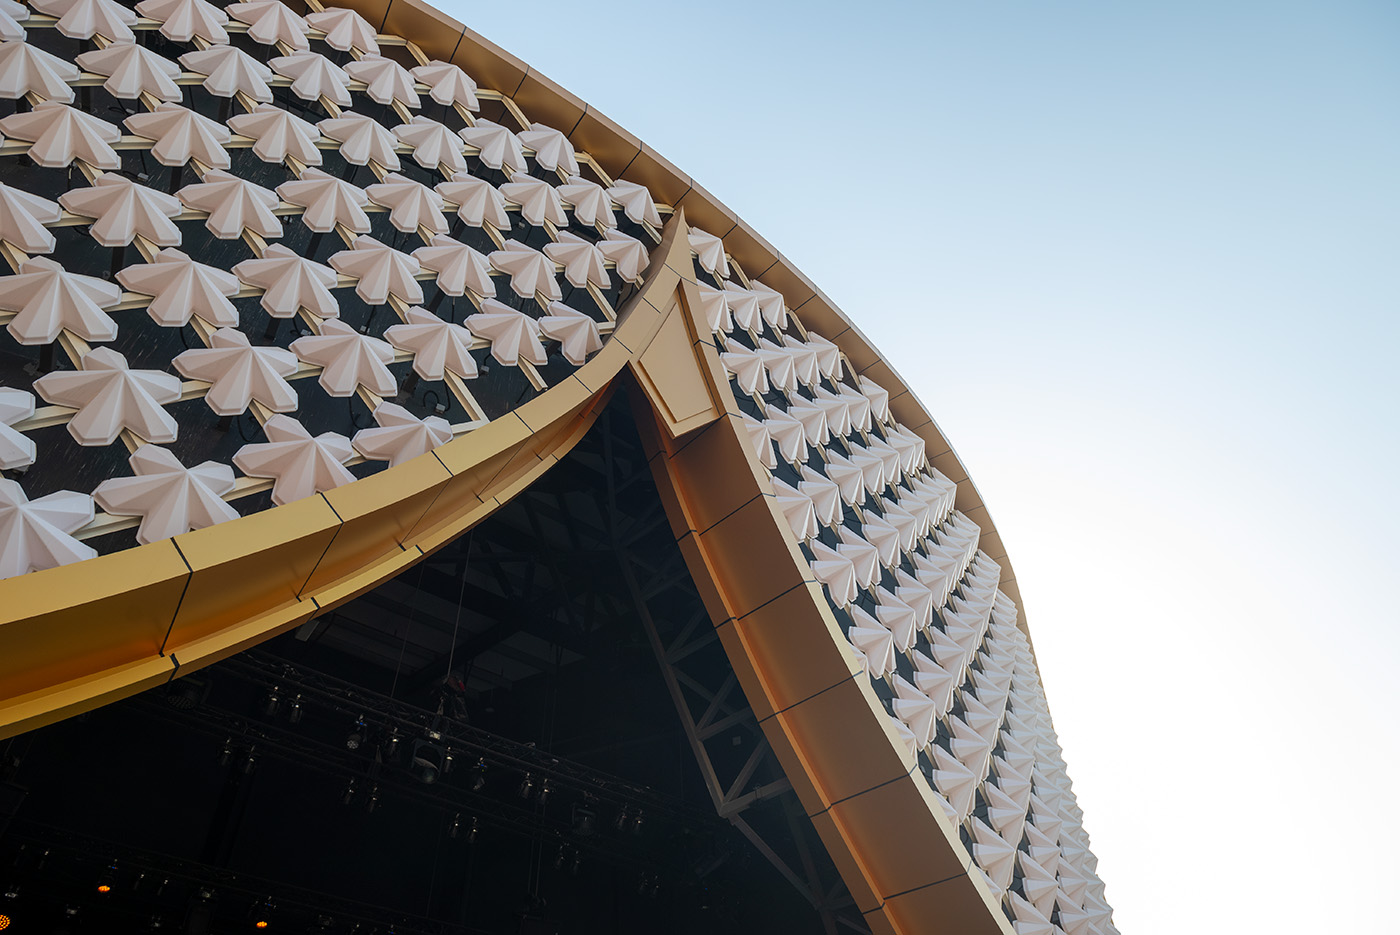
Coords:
pixel 1142 261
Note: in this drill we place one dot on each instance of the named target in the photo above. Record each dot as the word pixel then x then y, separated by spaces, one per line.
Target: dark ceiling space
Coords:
pixel 502 739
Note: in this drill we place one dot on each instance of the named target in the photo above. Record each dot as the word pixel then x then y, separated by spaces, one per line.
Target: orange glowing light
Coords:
pixel 4 922
pixel 260 924
pixel 103 888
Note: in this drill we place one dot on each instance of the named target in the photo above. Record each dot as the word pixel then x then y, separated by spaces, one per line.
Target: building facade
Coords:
pixel 379 416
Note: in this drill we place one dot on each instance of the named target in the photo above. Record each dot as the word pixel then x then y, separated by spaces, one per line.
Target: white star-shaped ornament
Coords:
pixel 181 288
pixel 530 271
pixel 327 201
pixel 459 267
pixel 400 435
pixel 110 397
pixel 513 335
pixel 381 271
pixel 478 202
pixel 348 360
pixel 49 299
pixel 60 134
pixel 438 347
pixel 576 332
pixel 235 205
pixel 362 140
pixel 133 70
pixel 184 20
pixel 16 449
pixel 170 498
pixel 278 134
pixel 299 464
pixel 180 135
pixel 239 373
pixel 229 71
pixel 290 282
pixel 36 534
pixel 314 77
pixel 22 219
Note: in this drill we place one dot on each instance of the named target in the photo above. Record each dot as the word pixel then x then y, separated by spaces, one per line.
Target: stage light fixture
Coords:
pixel 544 792
pixel 621 821
pixel 272 702
pixel 585 821
pixel 479 779
pixel 226 754
pixel 295 712
pixel 527 786
pixel 471 832
pixel 427 761
pixel 11 891
pixel 349 794
pixel 456 825
pixel 373 802
pixel 637 822
pixel 356 735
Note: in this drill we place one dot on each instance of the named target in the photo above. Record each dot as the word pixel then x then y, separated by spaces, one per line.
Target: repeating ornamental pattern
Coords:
pixel 248 256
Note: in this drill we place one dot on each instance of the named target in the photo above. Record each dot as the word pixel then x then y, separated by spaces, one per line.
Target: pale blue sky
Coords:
pixel 1143 264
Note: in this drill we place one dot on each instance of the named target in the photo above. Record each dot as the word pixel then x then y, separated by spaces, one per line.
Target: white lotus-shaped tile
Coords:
pixel 538 200
pixel 714 307
pixel 170 498
pixel 804 360
pixel 879 398
pixel 743 305
pixel 636 202
pixel 592 206
pixel 576 332
pixel 411 204
pixel 477 200
pixel 448 84
pixel 22 220
pixel 898 617
pixel 862 554
pixel 837 409
pixel 83 19
pixel 835 571
pixel 582 261
pixel 122 210
pixel 61 134
pixel 553 151
pixel 438 347
pixel 770 304
pixel 872 639
pixel 277 134
pixel 400 436
pixel 782 370
pixel 184 20
pixel 828 356
pixel 362 139
pixel 270 22
pixel 994 854
pixel 710 251
pixel 180 134
pixel 746 366
pixel 133 70
pixel 290 282
pixel 433 144
pixel 915 709
pixel 381 270
pixel 328 201
pixel 348 360
pixel 11 15
pixel 110 397
pixel 497 146
pixel 797 510
pixel 788 434
pixel 299 464
pixel 857 404
pixel 234 205
pixel 386 81
pixel 848 476
pixel 761 442
pixel 239 373
pixel 345 30
pixel 530 271
pixel 229 71
pixel 936 682
pixel 28 69
pixel 824 494
pixel 629 253
pixel 180 288
pixel 956 782
pixel 16 449
pixel 314 76
pixel 459 267
pixel 35 534
pixel 512 334
pixel 49 299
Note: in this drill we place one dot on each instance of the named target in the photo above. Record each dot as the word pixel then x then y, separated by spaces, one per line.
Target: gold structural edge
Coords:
pixel 79 636
pixel 896 849
pixel 623 155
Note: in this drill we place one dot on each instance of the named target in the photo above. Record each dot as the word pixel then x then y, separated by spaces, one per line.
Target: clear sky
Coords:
pixel 1142 262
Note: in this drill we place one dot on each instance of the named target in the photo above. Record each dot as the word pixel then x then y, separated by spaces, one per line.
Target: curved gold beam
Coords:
pixel 879 819
pixel 79 636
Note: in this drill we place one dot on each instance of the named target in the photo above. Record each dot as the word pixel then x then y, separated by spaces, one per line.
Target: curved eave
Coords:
pixel 622 154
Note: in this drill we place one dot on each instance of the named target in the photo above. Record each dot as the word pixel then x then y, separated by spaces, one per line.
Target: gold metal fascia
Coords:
pixel 79 636
pixel 875 813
